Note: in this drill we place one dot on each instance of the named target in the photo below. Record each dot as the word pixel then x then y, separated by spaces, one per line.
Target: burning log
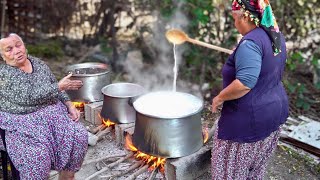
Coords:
pixel 137 173
pixel 120 160
pixel 104 132
pixel 211 132
pixel 154 173
pixel 97 129
pixel 110 166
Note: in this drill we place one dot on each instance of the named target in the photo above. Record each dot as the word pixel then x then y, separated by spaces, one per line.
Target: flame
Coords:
pixel 153 161
pixel 78 104
pixel 205 134
pixel 106 122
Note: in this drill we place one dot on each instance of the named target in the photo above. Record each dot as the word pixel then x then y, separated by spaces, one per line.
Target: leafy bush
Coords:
pixel 50 49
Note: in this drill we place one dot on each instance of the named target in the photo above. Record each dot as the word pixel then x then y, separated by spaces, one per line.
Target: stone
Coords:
pixel 189 167
pixel 92 112
pixel 120 132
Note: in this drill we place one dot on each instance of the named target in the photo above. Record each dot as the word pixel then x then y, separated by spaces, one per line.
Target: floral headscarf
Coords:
pixel 261 14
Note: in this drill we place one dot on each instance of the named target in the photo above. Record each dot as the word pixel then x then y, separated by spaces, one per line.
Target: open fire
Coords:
pixel 79 105
pixel 205 133
pixel 107 122
pixel 152 161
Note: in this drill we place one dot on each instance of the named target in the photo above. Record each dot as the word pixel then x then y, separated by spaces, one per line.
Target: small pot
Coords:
pixel 117 102
pixel 168 124
pixel 94 77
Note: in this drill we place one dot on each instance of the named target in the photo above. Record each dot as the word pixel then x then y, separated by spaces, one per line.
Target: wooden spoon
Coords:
pixel 176 36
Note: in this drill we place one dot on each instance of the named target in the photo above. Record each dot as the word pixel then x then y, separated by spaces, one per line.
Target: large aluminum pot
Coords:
pixel 168 124
pixel 117 103
pixel 94 77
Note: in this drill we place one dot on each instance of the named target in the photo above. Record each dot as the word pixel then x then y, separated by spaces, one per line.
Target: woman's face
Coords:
pixel 13 51
pixel 239 21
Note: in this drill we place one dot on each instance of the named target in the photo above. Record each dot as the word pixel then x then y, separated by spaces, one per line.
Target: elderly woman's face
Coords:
pixel 238 20
pixel 13 50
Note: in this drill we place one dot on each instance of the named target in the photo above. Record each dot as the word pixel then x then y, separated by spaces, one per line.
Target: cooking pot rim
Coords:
pixel 168 117
pixel 89 75
pixel 122 83
pixel 88 64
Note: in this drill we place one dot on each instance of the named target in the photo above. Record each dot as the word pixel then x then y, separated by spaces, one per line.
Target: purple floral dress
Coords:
pixel 39 134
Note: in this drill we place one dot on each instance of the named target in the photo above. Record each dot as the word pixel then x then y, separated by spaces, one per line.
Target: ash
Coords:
pixel 107 147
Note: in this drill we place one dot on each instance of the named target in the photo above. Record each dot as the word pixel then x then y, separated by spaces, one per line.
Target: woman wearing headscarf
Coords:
pixel 40 122
pixel 254 100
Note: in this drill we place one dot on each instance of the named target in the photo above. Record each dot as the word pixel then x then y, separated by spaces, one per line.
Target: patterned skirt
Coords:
pixel 44 140
pixel 241 161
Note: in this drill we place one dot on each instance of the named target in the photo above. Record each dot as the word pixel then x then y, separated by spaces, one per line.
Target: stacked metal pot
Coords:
pixel 94 77
pixel 167 123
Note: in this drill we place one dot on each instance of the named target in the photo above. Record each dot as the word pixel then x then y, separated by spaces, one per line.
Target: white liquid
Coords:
pixel 175 69
pixel 168 104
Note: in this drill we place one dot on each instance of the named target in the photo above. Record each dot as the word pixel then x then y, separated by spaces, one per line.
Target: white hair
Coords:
pixel 11 34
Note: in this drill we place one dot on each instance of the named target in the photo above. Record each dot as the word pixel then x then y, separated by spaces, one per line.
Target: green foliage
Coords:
pixel 299 91
pixel 294 60
pixel 297 18
pixel 105 47
pixel 50 49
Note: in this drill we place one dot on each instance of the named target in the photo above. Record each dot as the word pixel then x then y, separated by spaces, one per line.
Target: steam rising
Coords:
pixel 159 76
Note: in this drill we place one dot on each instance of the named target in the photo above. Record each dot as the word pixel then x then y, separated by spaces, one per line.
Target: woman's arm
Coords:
pixel 235 90
pixel 248 60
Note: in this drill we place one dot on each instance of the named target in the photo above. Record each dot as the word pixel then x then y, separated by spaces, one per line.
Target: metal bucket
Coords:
pixel 161 129
pixel 117 102
pixel 94 77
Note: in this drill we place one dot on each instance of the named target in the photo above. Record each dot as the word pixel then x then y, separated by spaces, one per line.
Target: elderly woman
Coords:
pixel 42 132
pixel 254 100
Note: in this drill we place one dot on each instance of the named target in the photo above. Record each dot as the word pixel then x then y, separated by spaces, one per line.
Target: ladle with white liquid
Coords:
pixel 176 37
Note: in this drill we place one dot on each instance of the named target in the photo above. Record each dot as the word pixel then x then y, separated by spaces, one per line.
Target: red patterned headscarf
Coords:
pixel 261 14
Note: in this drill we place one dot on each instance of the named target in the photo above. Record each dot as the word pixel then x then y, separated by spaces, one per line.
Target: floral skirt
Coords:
pixel 241 161
pixel 44 140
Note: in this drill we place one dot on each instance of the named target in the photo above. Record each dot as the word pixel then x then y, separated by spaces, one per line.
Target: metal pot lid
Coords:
pixel 168 104
pixel 123 90
pixel 87 69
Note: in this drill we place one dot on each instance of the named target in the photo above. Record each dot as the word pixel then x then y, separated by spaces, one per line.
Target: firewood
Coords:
pixel 119 174
pixel 104 158
pixel 154 174
pixel 110 166
pixel 93 139
pixel 102 133
pixel 120 160
pixel 212 130
pixel 137 173
pixel 96 129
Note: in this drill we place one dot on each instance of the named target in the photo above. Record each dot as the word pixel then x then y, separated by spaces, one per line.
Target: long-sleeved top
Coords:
pixel 248 60
pixel 22 92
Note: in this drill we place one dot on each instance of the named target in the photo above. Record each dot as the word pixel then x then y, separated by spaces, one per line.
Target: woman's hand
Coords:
pixel 74 113
pixel 216 102
pixel 67 84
